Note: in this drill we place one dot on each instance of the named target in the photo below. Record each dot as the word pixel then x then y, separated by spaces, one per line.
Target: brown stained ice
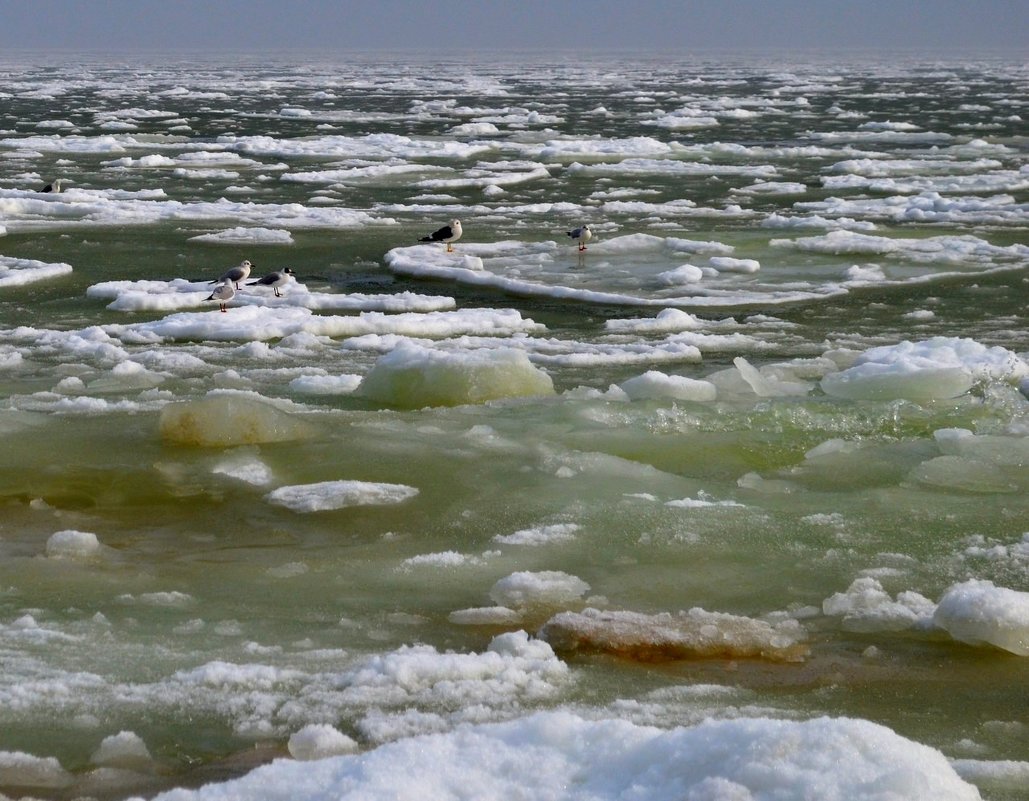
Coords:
pixel 692 634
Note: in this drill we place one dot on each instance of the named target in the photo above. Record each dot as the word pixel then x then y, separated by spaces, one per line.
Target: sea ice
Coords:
pixel 866 606
pixel 560 756
pixel 654 384
pixel 71 544
pixel 223 419
pixel 329 495
pixel 412 376
pixel 318 741
pixel 692 634
pixel 978 612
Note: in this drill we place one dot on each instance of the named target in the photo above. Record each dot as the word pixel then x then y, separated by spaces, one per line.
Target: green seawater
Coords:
pixel 196 568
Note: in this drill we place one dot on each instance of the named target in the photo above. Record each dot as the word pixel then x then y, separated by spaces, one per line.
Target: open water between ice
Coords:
pixel 731 504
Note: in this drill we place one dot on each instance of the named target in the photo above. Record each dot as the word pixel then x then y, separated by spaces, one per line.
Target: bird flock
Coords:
pixel 229 281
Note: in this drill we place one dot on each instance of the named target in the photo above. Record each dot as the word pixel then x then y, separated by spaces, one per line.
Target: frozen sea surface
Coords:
pixel 730 504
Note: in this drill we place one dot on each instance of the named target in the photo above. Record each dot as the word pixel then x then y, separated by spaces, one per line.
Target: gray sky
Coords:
pixel 340 25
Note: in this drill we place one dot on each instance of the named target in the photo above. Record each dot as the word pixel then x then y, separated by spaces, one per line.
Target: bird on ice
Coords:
pixel 448 233
pixel 582 235
pixel 223 293
pixel 53 186
pixel 235 274
pixel 274 280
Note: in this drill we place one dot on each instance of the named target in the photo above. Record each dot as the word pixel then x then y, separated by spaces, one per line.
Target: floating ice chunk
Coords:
pixel 938 249
pixel 866 606
pixel 941 367
pixel 72 544
pixel 693 634
pixel 441 559
pixel 485 616
pixel 245 467
pixel 977 612
pixel 123 750
pixel 18 769
pixel 18 272
pixel 563 757
pixel 247 236
pixel 1001 450
pixel 411 376
pixel 654 384
pixel 545 588
pixel 329 495
pixel 966 475
pixel 668 321
pixel 541 535
pixel 170 599
pixel 325 384
pixel 728 264
pixel 766 385
pixel 318 741
pixel 685 274
pixel 1000 774
pixel 223 419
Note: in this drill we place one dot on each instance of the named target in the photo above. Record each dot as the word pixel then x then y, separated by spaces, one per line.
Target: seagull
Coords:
pixel 274 280
pixel 448 233
pixel 583 234
pixel 53 186
pixel 235 274
pixel 223 293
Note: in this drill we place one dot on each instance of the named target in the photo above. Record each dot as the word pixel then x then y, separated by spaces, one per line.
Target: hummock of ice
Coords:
pixel 318 741
pixel 526 589
pixel 223 419
pixel 693 634
pixel 937 368
pixel 560 756
pixel 654 384
pixel 123 750
pixel 414 377
pixel 866 606
pixel 18 769
pixel 977 612
pixel 71 544
pixel 329 495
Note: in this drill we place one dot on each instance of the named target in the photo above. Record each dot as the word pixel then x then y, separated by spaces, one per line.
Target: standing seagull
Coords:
pixel 448 233
pixel 53 186
pixel 583 234
pixel 223 293
pixel 235 274
pixel 274 280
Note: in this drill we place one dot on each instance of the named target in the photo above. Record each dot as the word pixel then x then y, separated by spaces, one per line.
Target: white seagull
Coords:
pixel 235 274
pixel 274 280
pixel 53 186
pixel 448 233
pixel 582 234
pixel 223 293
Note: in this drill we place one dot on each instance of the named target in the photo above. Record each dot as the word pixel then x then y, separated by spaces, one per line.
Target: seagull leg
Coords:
pixel 277 293
pixel 450 248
